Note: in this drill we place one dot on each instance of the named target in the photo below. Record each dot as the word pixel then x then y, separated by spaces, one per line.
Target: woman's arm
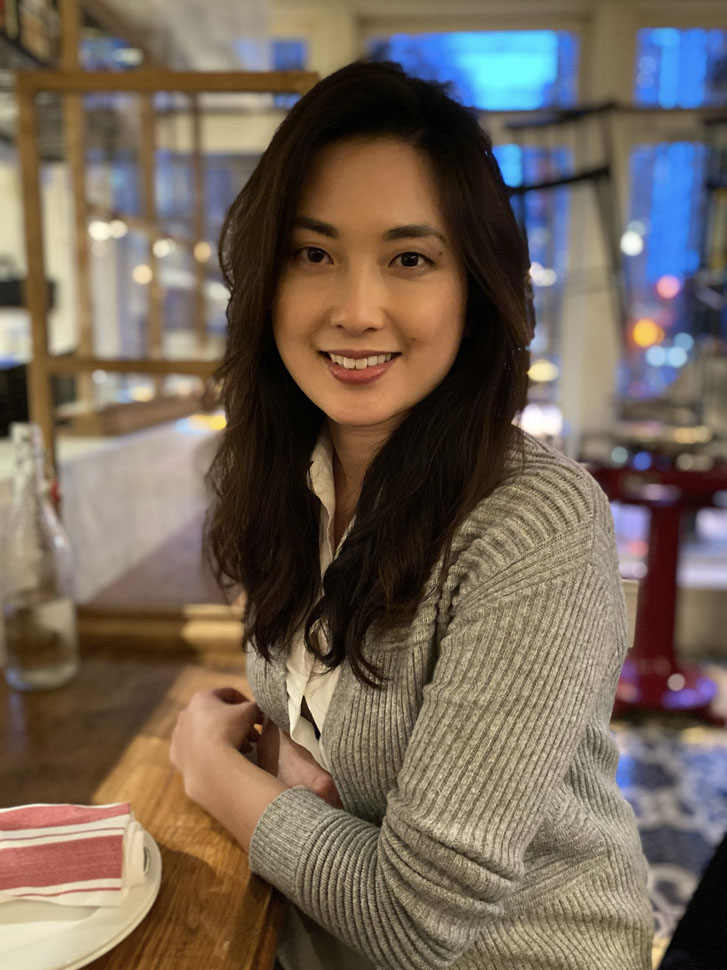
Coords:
pixel 531 647
pixel 208 745
pixel 294 765
pixel 517 676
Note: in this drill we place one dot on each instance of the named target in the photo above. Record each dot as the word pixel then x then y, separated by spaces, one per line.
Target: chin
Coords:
pixel 383 422
pixel 357 421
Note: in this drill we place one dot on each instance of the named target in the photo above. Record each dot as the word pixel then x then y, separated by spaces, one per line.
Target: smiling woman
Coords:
pixel 352 291
pixel 434 615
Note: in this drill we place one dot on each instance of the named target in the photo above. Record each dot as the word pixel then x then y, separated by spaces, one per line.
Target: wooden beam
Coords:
pixel 70 24
pixel 108 18
pixel 39 393
pixel 136 365
pixel 198 223
pixel 74 136
pixel 74 81
pixel 147 160
pixel 188 82
pixel 203 627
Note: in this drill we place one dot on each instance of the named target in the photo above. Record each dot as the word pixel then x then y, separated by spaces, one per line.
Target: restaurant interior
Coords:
pixel 126 130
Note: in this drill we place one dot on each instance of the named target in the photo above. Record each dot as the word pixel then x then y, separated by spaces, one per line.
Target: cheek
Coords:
pixel 443 323
pixel 284 321
pixel 294 313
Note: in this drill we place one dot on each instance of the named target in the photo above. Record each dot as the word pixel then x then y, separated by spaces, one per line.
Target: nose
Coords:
pixel 358 302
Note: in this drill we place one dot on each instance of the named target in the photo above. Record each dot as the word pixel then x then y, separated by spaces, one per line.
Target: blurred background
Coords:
pixel 609 119
pixel 610 125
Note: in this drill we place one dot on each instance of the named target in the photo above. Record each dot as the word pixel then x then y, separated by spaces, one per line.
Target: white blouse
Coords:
pixel 306 678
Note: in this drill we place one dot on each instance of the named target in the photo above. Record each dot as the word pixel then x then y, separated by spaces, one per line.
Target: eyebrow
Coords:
pixel 415 230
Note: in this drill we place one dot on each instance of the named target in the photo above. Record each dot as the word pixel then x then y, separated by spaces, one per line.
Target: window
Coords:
pixel 681 68
pixel 499 70
pixel 288 54
pixel 516 70
pixel 545 215
pixel 670 203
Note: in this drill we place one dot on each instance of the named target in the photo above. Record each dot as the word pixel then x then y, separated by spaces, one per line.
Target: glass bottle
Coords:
pixel 41 640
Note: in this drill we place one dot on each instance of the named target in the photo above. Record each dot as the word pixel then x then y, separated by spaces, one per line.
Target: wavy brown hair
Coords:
pixel 448 452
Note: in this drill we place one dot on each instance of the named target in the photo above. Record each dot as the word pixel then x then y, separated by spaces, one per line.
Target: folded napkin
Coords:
pixel 76 855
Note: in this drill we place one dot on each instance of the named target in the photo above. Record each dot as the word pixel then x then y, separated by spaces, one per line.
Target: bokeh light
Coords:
pixel 656 356
pixel 632 244
pixel 541 420
pixel 647 332
pixel 202 251
pixel 99 230
pixel 685 340
pixel 668 286
pixel 676 356
pixel 141 274
pixel 163 247
pixel 542 275
pixel 542 370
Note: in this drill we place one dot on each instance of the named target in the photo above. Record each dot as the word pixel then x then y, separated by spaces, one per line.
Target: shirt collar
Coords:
pixel 320 472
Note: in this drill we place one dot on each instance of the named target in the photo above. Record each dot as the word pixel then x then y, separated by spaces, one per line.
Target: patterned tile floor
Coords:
pixel 674 774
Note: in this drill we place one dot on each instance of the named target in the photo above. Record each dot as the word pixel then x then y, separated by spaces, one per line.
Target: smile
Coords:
pixel 359 363
pixel 360 370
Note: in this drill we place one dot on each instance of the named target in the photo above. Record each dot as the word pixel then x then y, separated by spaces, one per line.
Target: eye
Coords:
pixel 311 254
pixel 413 260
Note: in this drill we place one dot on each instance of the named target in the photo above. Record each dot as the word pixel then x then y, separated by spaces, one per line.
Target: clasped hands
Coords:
pixel 224 719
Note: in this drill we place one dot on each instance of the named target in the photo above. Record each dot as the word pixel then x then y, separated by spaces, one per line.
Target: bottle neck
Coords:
pixel 38 555
pixel 30 477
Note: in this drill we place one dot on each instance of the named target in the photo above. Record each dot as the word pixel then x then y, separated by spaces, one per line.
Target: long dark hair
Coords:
pixel 449 451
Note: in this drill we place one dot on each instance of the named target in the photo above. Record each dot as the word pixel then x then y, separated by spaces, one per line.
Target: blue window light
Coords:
pixel 666 185
pixel 503 70
pixel 514 70
pixel 681 68
pixel 288 54
pixel 674 69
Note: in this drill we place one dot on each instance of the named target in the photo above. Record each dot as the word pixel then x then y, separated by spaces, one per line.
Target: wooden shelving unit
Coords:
pixel 71 83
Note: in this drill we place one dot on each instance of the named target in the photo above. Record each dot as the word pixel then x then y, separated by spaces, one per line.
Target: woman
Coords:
pixel 440 776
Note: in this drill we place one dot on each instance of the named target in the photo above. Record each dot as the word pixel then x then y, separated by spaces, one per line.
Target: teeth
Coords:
pixel 352 363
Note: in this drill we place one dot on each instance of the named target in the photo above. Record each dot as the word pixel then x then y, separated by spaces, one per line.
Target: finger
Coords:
pixel 245 715
pixel 230 695
pixel 258 714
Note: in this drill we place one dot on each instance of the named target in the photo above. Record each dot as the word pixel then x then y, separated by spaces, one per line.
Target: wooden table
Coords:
pixel 105 738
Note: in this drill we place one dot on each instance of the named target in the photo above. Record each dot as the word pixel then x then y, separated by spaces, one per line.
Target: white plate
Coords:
pixel 46 936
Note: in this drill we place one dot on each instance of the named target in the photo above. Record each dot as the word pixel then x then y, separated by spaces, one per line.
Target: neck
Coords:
pixel 353 451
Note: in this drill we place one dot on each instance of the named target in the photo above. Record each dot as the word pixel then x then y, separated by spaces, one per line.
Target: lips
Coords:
pixel 365 375
pixel 360 361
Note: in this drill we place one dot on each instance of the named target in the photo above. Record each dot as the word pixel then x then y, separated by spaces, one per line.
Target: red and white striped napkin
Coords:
pixel 76 855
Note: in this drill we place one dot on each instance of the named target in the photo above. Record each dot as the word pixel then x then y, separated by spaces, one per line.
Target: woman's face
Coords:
pixel 369 311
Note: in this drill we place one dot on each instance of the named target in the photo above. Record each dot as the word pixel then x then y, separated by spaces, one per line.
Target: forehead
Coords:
pixel 381 177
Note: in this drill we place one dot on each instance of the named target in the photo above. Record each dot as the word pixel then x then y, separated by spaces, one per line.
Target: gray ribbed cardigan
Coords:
pixel 482 824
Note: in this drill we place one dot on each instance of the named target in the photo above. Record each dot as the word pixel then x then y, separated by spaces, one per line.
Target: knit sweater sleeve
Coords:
pixel 523 659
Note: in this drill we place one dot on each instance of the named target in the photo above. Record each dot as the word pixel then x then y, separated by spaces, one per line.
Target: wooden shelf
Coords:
pixel 128 416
